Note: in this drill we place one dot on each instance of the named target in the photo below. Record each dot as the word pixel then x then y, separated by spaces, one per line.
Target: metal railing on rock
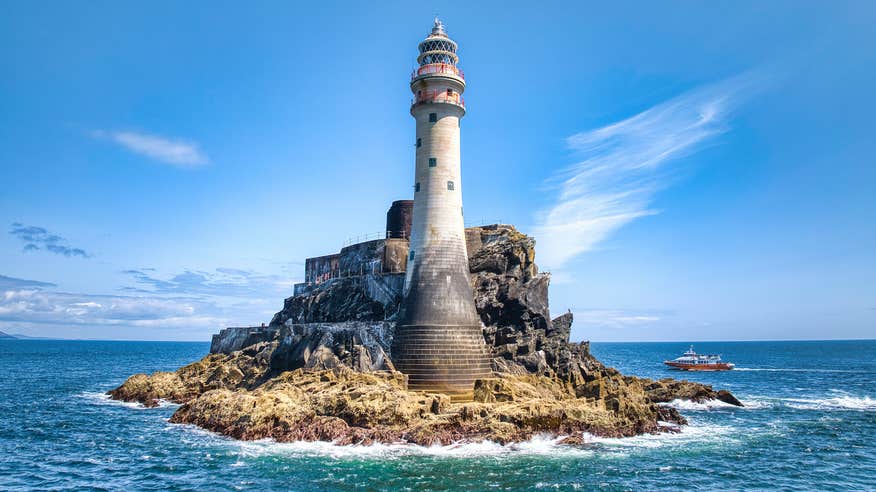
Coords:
pixel 372 236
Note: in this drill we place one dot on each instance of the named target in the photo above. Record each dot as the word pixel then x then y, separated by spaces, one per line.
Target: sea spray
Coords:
pixel 846 402
pixel 59 431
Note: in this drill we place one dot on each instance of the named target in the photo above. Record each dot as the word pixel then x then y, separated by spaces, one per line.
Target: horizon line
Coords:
pixel 53 339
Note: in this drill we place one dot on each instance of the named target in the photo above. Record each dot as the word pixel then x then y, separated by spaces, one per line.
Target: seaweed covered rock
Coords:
pixel 322 370
pixel 244 369
pixel 347 407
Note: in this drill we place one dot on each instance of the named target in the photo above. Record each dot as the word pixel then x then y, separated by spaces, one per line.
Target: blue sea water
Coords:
pixel 809 423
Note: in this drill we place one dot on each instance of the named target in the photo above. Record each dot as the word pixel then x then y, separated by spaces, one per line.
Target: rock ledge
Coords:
pixel 309 376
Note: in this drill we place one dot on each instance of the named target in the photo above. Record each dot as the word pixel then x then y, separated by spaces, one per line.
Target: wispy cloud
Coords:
pixel 38 238
pixel 32 303
pixel 623 165
pixel 20 283
pixel 189 305
pixel 222 282
pixel 37 306
pixel 171 151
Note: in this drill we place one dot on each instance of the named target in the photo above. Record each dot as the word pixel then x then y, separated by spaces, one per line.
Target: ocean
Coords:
pixel 809 424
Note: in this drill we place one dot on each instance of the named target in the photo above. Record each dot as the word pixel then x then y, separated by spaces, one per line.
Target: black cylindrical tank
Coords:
pixel 398 219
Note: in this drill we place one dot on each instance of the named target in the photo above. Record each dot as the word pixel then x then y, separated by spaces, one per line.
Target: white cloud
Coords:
pixel 21 283
pixel 42 307
pixel 171 151
pixel 623 165
pixel 221 282
pixel 189 305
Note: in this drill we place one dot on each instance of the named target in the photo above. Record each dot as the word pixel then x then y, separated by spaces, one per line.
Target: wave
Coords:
pixel 698 406
pixel 539 445
pixel 842 402
pixel 542 445
pixel 101 398
pixel 687 435
pixel 708 405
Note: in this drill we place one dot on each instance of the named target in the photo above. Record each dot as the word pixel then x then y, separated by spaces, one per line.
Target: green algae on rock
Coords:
pixel 313 376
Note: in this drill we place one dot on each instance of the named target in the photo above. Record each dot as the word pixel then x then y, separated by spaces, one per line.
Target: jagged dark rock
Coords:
pixel 359 345
pixel 510 295
pixel 338 300
pixel 236 338
pixel 321 370
pixel 667 389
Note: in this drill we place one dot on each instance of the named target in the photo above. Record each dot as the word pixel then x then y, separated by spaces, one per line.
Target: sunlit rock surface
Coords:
pixel 322 370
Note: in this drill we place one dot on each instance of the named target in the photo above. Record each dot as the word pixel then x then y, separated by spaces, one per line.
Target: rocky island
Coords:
pixel 432 334
pixel 322 369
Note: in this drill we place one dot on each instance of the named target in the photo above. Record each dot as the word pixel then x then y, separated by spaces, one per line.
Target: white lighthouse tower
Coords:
pixel 439 342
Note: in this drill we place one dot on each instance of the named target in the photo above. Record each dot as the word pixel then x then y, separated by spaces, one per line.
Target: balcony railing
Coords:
pixel 432 97
pixel 438 68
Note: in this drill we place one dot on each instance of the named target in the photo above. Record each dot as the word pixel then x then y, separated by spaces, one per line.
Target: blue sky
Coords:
pixel 690 170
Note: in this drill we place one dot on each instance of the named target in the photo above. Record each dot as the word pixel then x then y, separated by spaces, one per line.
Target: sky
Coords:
pixel 689 170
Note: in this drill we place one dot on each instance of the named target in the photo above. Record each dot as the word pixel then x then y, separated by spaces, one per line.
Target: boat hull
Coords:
pixel 699 367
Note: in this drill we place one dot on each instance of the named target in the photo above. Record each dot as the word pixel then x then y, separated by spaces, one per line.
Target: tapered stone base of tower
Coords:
pixel 443 359
pixel 439 343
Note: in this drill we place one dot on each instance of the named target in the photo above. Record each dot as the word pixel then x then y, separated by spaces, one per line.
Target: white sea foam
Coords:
pixel 840 402
pixel 540 445
pixel 100 398
pixel 688 434
pixel 698 406
pixel 544 445
pixel 757 403
pixel 752 403
pixel 549 485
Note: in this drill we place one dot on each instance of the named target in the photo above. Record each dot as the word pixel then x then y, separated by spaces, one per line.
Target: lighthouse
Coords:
pixel 438 341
